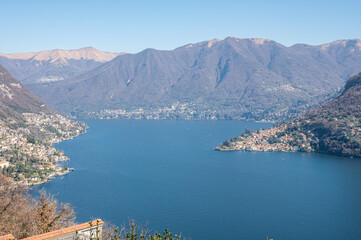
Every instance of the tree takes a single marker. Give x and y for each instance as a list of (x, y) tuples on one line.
[(22, 216), (31, 139), (15, 209), (50, 215), (136, 231)]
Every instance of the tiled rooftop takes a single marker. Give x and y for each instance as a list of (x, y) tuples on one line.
[(58, 233), (7, 237)]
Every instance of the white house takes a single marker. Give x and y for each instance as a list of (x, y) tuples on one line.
[(4, 164)]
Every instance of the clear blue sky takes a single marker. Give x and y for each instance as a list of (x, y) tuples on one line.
[(131, 26)]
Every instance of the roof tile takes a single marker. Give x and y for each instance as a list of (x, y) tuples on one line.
[(64, 231)]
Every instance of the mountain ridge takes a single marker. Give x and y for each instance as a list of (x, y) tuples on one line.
[(53, 65), (88, 53), (257, 79)]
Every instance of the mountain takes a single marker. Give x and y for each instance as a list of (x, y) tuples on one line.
[(22, 111), (55, 65), (337, 124), (28, 129), (334, 128), (232, 78), (16, 99)]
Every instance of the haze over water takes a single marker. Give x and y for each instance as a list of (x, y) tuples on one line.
[(167, 173)]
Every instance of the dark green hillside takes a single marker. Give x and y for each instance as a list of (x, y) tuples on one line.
[(333, 128), (337, 124)]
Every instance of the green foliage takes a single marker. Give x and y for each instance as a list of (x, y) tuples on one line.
[(31, 139), (165, 236), (227, 143), (93, 236), (272, 139), (138, 232), (280, 134)]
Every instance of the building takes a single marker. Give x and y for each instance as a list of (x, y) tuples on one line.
[(4, 164), (50, 165), (34, 178), (7, 237), (85, 231)]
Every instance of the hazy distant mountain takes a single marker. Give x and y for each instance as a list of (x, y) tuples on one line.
[(255, 78), (55, 65), (16, 99)]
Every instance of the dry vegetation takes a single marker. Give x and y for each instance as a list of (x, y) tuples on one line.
[(23, 216)]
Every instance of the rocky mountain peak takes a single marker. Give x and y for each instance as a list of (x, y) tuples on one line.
[(88, 53)]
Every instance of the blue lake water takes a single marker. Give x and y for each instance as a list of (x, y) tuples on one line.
[(167, 173)]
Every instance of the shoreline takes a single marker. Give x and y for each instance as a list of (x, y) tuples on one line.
[(58, 174), (47, 180), (38, 160)]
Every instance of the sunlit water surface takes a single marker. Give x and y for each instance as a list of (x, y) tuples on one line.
[(167, 173)]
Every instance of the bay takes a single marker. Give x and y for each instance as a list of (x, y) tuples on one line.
[(167, 173)]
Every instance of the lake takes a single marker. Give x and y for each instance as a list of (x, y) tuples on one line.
[(167, 173)]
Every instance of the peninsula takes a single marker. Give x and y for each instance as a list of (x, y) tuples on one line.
[(334, 128)]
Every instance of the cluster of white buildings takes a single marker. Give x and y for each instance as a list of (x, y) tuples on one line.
[(16, 145)]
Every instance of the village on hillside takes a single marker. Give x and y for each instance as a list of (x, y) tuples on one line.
[(32, 159), (275, 139)]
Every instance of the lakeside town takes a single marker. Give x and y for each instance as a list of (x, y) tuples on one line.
[(275, 139), (194, 111), (26, 153), (175, 111)]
